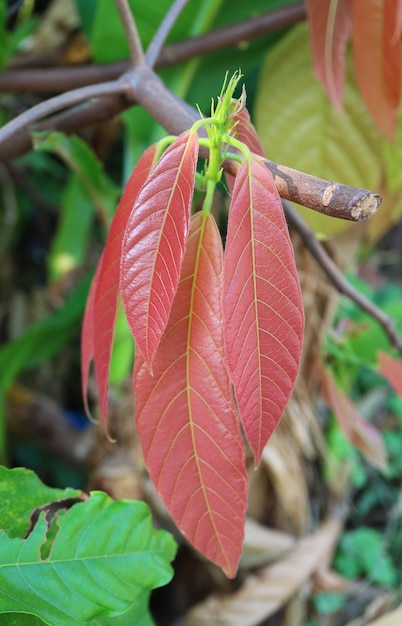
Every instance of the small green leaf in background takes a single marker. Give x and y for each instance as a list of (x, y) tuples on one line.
[(362, 553), (328, 603), (123, 349), (3, 34), (21, 492), (104, 558)]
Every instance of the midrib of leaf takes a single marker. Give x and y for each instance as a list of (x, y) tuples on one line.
[(329, 38), (205, 217)]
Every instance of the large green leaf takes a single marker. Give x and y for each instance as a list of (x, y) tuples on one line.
[(301, 129), (104, 557), (21, 492)]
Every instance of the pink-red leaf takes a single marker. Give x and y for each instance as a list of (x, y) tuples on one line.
[(357, 431), (244, 131), (391, 369), (154, 243), (377, 57), (263, 311), (185, 415), (87, 337), (330, 26), (100, 314)]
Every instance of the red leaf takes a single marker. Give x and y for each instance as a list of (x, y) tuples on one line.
[(87, 337), (330, 26), (103, 302), (154, 243), (262, 304), (391, 369), (377, 54), (245, 132), (185, 415), (357, 431)]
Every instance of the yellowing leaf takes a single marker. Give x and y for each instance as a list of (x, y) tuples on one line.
[(301, 129)]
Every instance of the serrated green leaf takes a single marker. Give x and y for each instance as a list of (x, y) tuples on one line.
[(301, 129), (102, 192), (21, 491), (106, 554)]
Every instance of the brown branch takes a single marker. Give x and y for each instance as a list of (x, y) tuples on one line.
[(43, 109), (337, 278), (333, 199), (137, 57), (62, 79), (155, 47)]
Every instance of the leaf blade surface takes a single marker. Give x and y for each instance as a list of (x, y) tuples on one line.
[(154, 243), (263, 311), (185, 415)]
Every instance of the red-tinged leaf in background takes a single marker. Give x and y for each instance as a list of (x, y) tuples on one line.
[(263, 311), (391, 369), (87, 337), (330, 26), (100, 313), (154, 243), (357, 431), (185, 416), (244, 131), (377, 59)]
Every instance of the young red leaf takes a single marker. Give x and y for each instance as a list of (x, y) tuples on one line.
[(185, 414), (154, 243), (245, 132), (263, 310), (330, 26), (357, 431), (391, 369), (377, 57), (100, 314)]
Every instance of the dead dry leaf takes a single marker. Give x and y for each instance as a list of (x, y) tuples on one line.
[(391, 619), (263, 545), (263, 594)]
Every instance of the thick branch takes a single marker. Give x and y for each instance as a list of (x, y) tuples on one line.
[(337, 278), (61, 79)]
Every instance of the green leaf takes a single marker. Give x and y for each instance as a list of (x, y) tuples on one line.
[(71, 240), (43, 339), (101, 191), (21, 492), (3, 34), (328, 603), (301, 129), (20, 619), (104, 557), (123, 349)]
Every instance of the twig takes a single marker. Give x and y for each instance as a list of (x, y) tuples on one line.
[(337, 279), (137, 57), (43, 109), (62, 79), (158, 40)]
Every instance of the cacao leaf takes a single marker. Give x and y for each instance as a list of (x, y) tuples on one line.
[(245, 132), (377, 59), (185, 414), (154, 243), (391, 369), (263, 311), (330, 26), (360, 433), (107, 288)]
